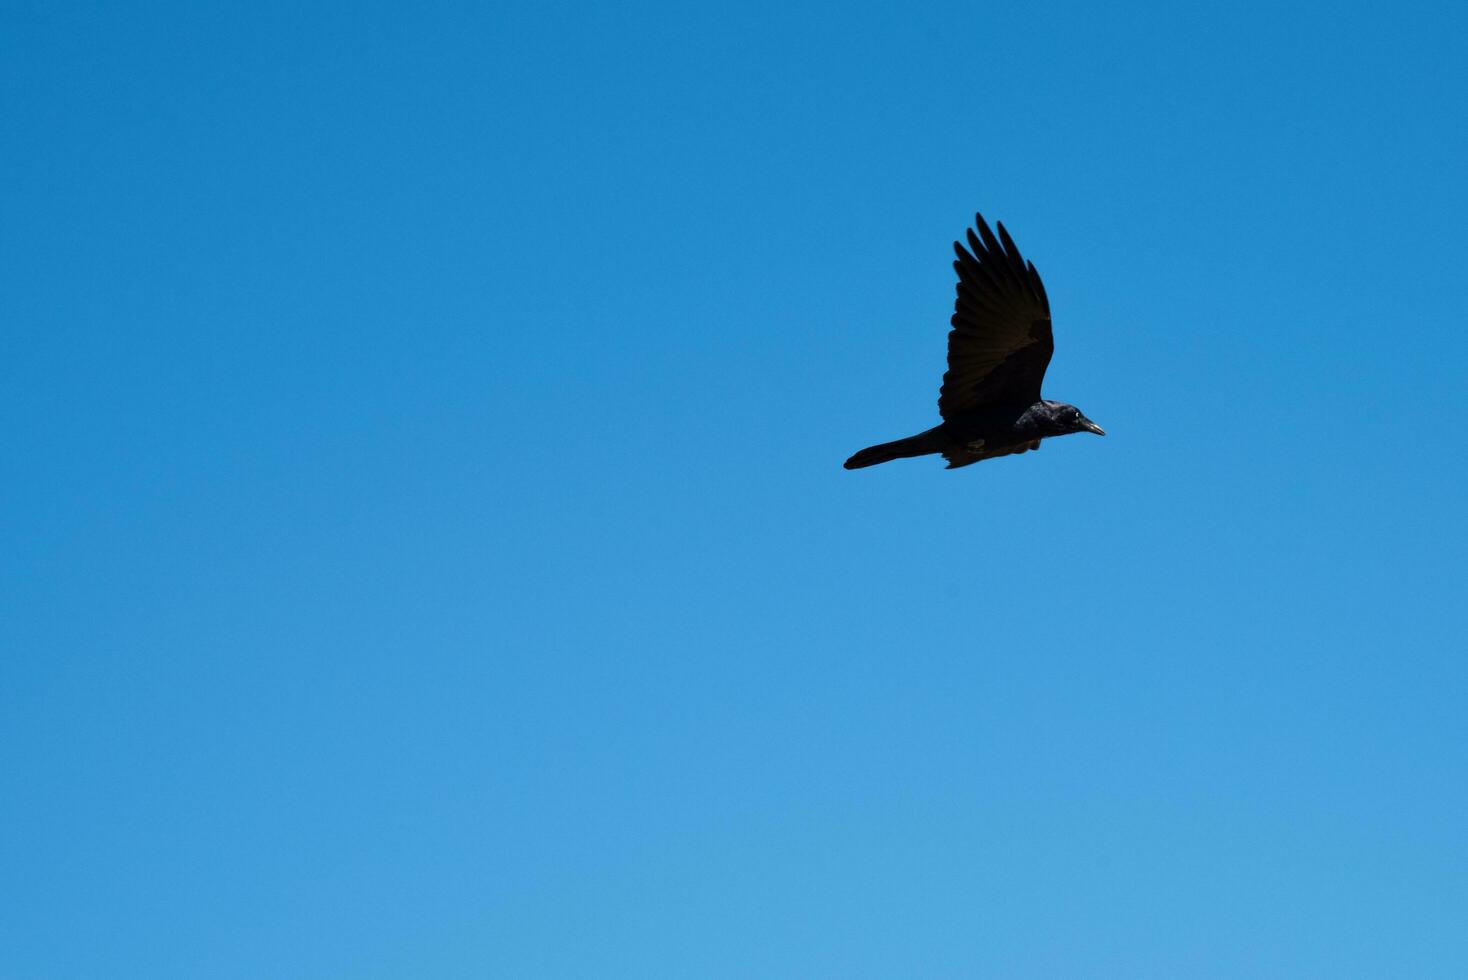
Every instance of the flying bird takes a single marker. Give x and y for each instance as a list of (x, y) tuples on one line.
[(998, 350)]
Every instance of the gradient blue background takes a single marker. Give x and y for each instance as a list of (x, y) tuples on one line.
[(426, 552)]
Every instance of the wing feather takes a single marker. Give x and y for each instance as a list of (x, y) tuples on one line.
[(1001, 341)]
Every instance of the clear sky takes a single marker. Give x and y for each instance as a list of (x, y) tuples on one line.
[(425, 552)]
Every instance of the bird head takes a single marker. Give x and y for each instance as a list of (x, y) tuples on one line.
[(1070, 419)]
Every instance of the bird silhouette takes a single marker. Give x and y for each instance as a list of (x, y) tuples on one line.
[(998, 350)]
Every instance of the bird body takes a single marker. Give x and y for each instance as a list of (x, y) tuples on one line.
[(1002, 432), (998, 350)]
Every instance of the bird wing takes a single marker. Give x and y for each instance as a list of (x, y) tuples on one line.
[(1001, 342), (973, 452)]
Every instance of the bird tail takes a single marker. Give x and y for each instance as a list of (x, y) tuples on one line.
[(919, 445)]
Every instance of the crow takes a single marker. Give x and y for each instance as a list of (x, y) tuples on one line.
[(998, 350)]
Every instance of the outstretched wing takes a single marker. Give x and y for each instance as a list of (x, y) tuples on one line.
[(1001, 342)]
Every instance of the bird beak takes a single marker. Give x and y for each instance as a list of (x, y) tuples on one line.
[(1090, 426)]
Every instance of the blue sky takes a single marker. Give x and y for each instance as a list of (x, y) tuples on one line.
[(424, 549)]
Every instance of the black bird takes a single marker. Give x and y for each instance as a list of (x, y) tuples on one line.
[(998, 350)]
